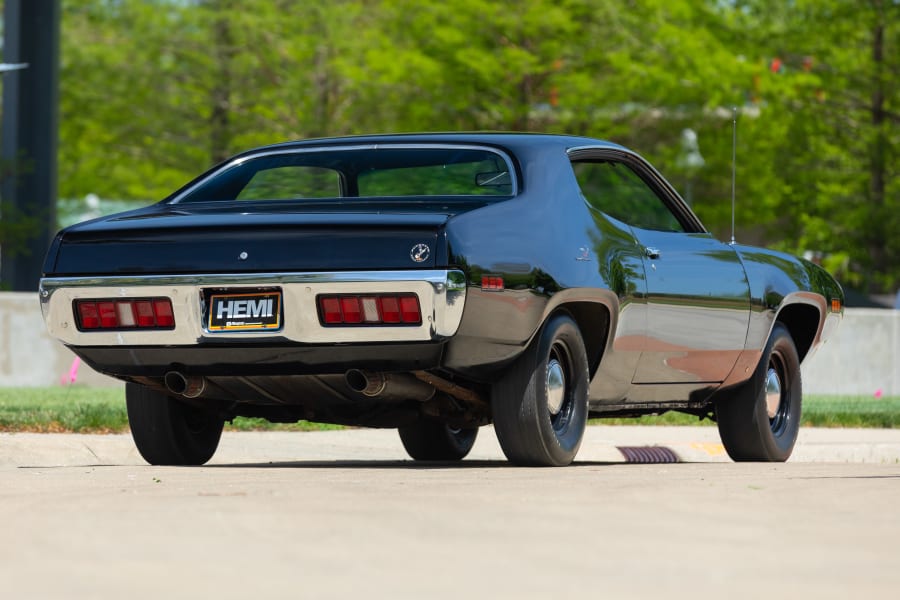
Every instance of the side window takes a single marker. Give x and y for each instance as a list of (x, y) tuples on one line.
[(613, 188), (288, 182)]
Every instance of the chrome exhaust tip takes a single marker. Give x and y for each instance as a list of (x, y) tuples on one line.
[(366, 383), (388, 386), (184, 385)]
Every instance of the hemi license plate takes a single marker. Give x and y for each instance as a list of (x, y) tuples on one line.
[(260, 311)]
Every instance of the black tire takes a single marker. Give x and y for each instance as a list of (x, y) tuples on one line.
[(169, 432), (540, 403), (433, 440), (760, 420)]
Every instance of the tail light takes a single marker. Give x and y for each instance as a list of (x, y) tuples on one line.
[(120, 313), (379, 309)]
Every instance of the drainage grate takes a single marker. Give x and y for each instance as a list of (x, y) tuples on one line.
[(648, 454)]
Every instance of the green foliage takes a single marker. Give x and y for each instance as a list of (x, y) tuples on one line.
[(78, 409), (156, 91)]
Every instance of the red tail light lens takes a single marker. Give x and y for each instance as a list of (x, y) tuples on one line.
[(88, 317), (390, 309), (108, 317), (350, 309), (409, 309), (162, 308), (119, 314), (330, 311), (373, 309)]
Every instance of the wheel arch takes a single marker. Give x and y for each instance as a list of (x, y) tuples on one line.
[(804, 321), (595, 320)]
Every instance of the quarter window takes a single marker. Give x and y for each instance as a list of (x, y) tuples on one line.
[(615, 189)]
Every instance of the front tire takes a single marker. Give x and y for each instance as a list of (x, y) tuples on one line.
[(433, 440), (760, 421), (540, 403), (169, 432)]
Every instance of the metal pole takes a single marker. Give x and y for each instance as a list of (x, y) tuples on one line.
[(29, 137), (733, 165)]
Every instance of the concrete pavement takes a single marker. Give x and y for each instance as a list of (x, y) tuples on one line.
[(345, 515)]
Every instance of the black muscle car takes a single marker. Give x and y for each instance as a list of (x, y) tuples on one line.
[(435, 284)]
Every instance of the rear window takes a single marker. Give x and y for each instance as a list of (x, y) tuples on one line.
[(371, 172)]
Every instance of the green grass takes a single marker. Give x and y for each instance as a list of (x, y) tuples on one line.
[(818, 411), (852, 411), (95, 410), (102, 410)]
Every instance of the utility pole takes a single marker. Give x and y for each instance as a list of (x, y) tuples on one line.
[(30, 134)]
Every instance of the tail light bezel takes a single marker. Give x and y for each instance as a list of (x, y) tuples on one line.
[(124, 314), (392, 309)]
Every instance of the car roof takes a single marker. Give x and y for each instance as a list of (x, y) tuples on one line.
[(512, 141)]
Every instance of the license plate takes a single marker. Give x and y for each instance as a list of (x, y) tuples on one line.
[(259, 311)]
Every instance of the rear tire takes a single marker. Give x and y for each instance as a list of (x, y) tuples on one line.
[(540, 403), (433, 440), (760, 420), (169, 432)]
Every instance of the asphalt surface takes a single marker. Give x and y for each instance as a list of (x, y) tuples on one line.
[(346, 515)]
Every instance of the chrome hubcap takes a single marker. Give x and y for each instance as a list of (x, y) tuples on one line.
[(773, 393), (556, 386)]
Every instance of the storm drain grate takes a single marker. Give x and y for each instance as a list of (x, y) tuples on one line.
[(648, 454)]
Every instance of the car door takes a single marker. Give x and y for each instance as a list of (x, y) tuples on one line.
[(697, 297), (698, 308)]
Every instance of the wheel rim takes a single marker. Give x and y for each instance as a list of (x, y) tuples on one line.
[(778, 401), (560, 404), (556, 386)]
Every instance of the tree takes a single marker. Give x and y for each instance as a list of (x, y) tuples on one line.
[(156, 91), (834, 149)]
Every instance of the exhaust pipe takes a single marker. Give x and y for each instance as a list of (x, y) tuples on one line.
[(184, 385), (389, 386)]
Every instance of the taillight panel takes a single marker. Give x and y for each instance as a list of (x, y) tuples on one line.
[(123, 314), (361, 310)]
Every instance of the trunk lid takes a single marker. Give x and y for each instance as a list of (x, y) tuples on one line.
[(164, 239)]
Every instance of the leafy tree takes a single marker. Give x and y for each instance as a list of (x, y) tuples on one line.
[(156, 91), (833, 91)]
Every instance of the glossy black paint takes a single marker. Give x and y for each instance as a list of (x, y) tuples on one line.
[(662, 329)]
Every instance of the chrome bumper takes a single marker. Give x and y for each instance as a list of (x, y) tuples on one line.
[(441, 293)]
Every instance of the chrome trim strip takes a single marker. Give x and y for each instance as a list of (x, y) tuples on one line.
[(334, 148), (441, 293)]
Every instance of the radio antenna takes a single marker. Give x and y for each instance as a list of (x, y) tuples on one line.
[(733, 164)]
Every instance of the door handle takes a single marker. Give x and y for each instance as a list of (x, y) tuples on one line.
[(652, 253)]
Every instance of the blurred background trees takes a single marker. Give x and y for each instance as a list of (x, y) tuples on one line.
[(154, 92)]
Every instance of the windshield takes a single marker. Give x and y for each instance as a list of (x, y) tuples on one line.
[(370, 172)]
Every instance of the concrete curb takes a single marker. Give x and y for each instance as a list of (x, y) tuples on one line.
[(603, 444)]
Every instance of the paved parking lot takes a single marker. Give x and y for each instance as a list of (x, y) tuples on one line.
[(343, 514)]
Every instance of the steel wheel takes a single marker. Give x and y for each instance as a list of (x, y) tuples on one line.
[(760, 420), (540, 403), (560, 395), (778, 404)]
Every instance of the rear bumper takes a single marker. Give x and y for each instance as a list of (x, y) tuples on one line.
[(441, 293), (229, 360)]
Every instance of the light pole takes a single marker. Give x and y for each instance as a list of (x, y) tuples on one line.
[(29, 134)]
